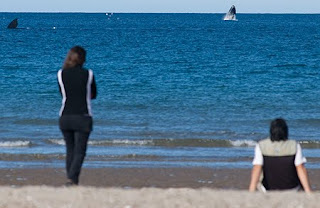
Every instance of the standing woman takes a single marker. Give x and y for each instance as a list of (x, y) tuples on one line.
[(77, 86)]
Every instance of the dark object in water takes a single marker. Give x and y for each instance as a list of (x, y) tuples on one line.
[(232, 10), (13, 24), (231, 15)]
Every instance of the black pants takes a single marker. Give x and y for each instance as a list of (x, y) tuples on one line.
[(76, 145), (76, 131)]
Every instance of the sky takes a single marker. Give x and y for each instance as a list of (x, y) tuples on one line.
[(162, 6)]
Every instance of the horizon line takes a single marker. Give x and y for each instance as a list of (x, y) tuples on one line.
[(98, 12)]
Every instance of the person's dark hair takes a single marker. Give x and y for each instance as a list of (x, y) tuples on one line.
[(75, 57), (278, 130)]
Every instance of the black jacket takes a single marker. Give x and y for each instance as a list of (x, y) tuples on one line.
[(77, 86)]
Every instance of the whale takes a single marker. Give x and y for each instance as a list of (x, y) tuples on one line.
[(13, 24), (232, 10), (231, 15)]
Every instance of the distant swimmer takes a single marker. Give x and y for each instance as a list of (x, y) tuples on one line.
[(231, 15), (13, 24)]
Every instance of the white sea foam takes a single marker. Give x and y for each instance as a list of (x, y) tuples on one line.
[(133, 142), (57, 141), (15, 143), (241, 143), (107, 142), (228, 17), (309, 142), (120, 142)]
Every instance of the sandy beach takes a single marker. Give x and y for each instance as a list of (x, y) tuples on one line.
[(143, 187), (43, 196)]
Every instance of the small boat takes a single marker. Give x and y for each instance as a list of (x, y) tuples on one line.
[(231, 15)]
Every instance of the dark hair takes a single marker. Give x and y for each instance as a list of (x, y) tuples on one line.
[(278, 130), (75, 57)]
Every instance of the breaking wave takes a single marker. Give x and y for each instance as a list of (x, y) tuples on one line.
[(15, 143), (313, 144), (165, 142)]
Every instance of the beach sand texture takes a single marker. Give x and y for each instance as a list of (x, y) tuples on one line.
[(43, 196), (145, 187)]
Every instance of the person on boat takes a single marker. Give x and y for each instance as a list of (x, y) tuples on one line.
[(77, 86), (280, 161)]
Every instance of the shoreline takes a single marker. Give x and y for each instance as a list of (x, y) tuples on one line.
[(195, 178)]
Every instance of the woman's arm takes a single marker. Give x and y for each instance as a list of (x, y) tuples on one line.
[(303, 177), (255, 176)]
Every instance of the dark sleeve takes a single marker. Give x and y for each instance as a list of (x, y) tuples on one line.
[(93, 89)]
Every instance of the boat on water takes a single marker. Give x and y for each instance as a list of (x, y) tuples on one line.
[(231, 15)]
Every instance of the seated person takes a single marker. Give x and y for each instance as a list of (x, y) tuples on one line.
[(280, 160)]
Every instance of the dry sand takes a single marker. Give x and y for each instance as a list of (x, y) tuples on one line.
[(143, 187), (42, 196)]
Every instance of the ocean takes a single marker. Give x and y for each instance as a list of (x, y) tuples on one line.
[(174, 90)]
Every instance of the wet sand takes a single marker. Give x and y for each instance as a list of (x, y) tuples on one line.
[(132, 177)]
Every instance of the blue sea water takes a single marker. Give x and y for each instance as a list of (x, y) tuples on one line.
[(174, 90)]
